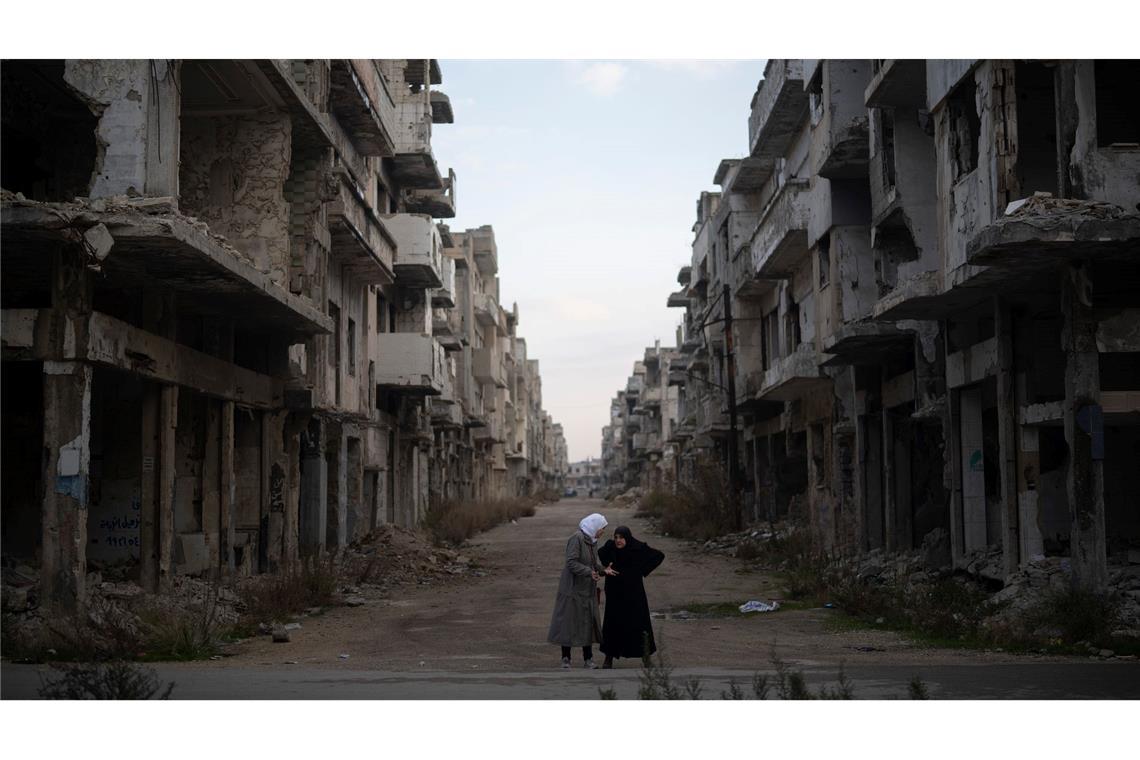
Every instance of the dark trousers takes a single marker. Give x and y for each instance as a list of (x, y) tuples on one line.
[(587, 653)]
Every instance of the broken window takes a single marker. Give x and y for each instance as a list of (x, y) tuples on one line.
[(819, 460), (885, 145), (815, 96), (48, 133), (351, 347), (792, 325), (823, 254), (1117, 114), (965, 129), (1036, 130), (769, 340)]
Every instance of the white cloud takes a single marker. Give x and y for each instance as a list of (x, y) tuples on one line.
[(602, 78), (701, 69)]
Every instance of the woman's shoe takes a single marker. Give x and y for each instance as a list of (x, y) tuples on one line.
[(589, 665), (565, 663), (608, 664)]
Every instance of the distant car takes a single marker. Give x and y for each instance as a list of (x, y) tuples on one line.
[(569, 492)]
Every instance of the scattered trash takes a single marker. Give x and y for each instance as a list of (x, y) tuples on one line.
[(880, 621), (422, 663), (292, 626), (514, 522), (868, 648), (354, 601), (829, 605), (216, 657), (758, 606), (716, 627), (280, 634), (343, 656)]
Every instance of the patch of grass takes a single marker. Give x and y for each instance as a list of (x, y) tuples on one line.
[(115, 680), (279, 596), (453, 522), (1077, 616), (700, 511), (193, 633)]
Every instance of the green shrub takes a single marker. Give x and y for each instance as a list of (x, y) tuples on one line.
[(453, 522)]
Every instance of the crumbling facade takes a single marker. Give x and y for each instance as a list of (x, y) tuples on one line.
[(234, 334), (931, 269)]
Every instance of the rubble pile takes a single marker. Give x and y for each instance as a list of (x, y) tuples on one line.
[(625, 498), (1044, 204), (393, 556)]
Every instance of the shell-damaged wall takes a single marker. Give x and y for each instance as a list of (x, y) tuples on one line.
[(233, 175)]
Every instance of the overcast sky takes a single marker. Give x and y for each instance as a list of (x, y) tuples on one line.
[(589, 172)]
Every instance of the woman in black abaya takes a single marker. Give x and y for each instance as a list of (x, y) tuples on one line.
[(626, 630)]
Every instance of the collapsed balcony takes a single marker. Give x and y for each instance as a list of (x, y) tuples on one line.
[(486, 309), (360, 100), (778, 108), (360, 241), (419, 250), (487, 366), (781, 237), (138, 250), (793, 376), (411, 363), (438, 203)]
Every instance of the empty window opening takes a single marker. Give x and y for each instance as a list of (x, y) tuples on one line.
[(818, 456), (351, 347), (892, 244), (381, 313), (965, 129), (48, 134), (1036, 129), (792, 325), (823, 254), (1117, 114), (885, 145)]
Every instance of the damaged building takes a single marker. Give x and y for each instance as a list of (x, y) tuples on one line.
[(931, 270), (235, 334)]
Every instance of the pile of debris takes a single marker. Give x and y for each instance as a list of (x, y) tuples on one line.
[(393, 556), (625, 498), (1044, 204)]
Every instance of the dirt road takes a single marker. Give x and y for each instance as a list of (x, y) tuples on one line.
[(473, 636), (498, 622)]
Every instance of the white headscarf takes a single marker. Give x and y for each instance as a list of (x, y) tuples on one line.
[(591, 524)]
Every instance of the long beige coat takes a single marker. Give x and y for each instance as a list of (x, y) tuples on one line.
[(575, 619)]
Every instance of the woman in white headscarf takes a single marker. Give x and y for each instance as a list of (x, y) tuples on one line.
[(575, 619)]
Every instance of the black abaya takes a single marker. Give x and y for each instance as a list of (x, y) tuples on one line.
[(626, 629)]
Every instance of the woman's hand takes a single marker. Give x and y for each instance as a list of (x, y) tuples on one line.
[(610, 569), (594, 575)]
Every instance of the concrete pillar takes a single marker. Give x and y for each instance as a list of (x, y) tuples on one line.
[(228, 480), (952, 466), (973, 470), (890, 542), (1084, 430), (212, 483), (314, 489), (290, 551), (65, 478), (1032, 541), (275, 491), (167, 427), (1007, 408), (148, 488)]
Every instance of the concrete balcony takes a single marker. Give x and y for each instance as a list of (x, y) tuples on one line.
[(487, 366), (793, 376), (633, 423), (411, 363), (680, 299), (447, 328), (897, 83), (358, 237), (419, 250), (492, 432), (413, 164), (485, 251), (841, 140), (448, 416), (651, 398), (437, 203), (635, 385), (711, 416), (779, 107), (780, 240), (360, 100), (441, 112), (444, 295), (684, 275), (486, 309)]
